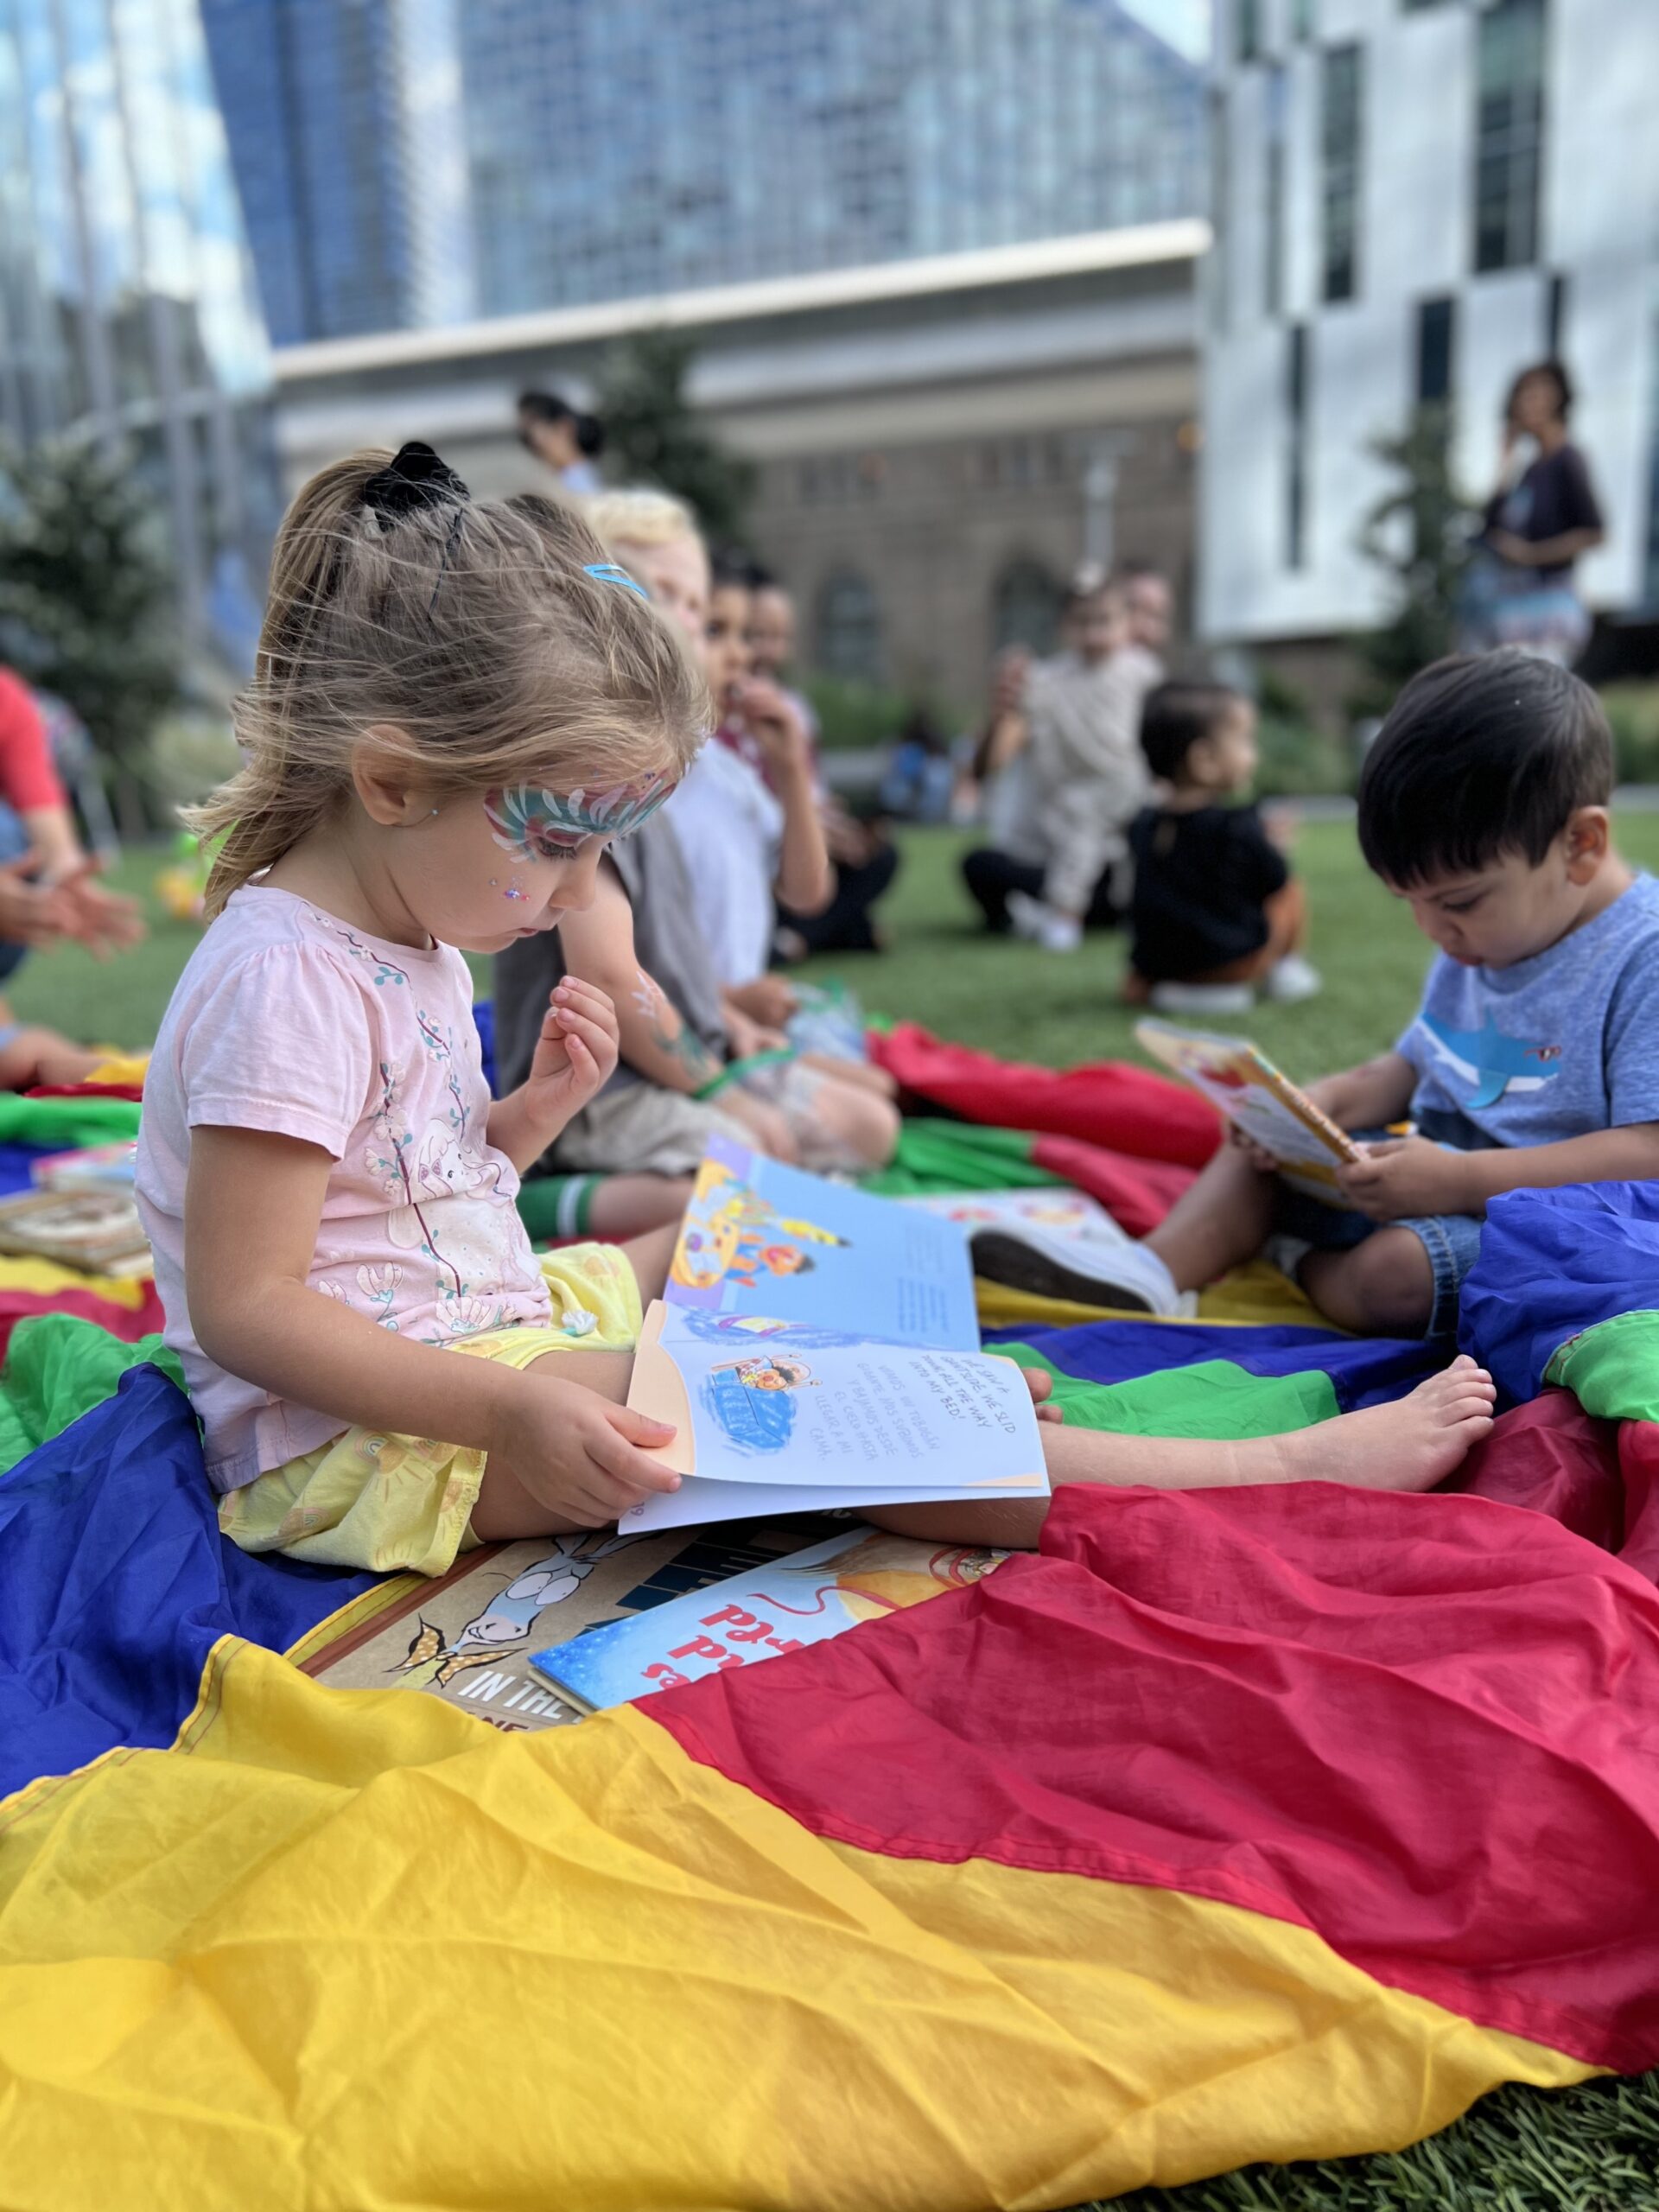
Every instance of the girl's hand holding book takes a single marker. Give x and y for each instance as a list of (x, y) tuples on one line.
[(575, 1453)]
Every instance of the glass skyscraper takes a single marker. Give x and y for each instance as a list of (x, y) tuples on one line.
[(429, 161), (128, 312)]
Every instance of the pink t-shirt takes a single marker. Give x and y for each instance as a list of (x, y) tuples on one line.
[(289, 1021)]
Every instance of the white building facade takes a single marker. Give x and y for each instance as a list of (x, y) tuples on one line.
[(1415, 199)]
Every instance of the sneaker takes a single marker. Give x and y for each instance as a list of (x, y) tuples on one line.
[(1293, 978), (1040, 923), (1061, 1243), (1203, 998)]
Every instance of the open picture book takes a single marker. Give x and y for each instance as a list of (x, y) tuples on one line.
[(1244, 1086), (775, 1416)]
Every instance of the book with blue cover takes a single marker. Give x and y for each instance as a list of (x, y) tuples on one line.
[(763, 1239)]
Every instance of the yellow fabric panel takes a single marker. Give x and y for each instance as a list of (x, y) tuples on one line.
[(351, 1952), (119, 1066), (42, 1277), (1252, 1297)]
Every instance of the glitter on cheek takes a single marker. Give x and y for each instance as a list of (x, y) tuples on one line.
[(513, 891)]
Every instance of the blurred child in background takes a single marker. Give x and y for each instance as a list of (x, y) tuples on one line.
[(862, 862), (682, 1076), (1215, 911)]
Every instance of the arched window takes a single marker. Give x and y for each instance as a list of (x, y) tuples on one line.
[(849, 629), (1026, 607)]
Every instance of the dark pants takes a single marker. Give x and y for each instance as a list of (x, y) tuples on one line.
[(844, 925), (990, 875)]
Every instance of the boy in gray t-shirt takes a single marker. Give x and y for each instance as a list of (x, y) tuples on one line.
[(1534, 1059)]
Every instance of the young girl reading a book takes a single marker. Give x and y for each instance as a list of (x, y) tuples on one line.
[(451, 717)]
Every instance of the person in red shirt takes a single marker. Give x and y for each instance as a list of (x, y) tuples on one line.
[(49, 888)]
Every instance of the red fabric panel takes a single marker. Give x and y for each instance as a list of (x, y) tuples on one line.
[(1550, 1456), (132, 1090), (127, 1322), (1137, 1193), (1104, 1102), (1426, 1727), (28, 779), (1638, 1463)]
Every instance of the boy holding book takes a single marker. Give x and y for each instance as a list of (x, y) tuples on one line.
[(1533, 1058)]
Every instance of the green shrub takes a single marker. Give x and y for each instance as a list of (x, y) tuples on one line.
[(857, 717), (1298, 761), (1633, 712)]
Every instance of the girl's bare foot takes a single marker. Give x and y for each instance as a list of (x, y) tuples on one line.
[(1410, 1445)]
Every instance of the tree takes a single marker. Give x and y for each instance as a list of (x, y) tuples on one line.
[(86, 601), (1418, 533), (650, 429)]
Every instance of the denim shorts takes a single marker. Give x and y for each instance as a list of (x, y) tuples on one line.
[(1451, 1240)]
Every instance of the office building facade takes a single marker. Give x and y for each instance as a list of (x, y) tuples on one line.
[(414, 163), (1413, 200), (128, 312)]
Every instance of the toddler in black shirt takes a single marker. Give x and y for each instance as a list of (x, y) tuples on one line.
[(1216, 911)]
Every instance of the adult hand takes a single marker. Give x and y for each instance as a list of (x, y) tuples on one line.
[(1008, 673), (30, 913), (104, 921), (1517, 551), (770, 1000), (1407, 1176), (577, 1453)]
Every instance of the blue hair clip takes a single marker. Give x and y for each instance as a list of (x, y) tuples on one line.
[(608, 573)]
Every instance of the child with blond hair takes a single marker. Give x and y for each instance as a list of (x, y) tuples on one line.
[(454, 713)]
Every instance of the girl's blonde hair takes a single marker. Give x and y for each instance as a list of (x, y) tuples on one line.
[(639, 515), (473, 627)]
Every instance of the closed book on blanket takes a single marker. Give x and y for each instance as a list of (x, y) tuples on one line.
[(856, 1575), (466, 1636), (774, 1416)]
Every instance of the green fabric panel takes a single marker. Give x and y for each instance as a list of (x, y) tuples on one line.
[(938, 1155), (58, 1367), (65, 1123), (1215, 1398), (1613, 1368)]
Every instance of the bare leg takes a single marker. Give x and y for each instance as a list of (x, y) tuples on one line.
[(649, 1257), (862, 1124), (765, 1125), (630, 1205), (1220, 1223), (1410, 1445), (1384, 1286), (864, 1075)]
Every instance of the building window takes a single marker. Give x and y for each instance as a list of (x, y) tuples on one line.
[(1296, 396), (1508, 133), (1247, 23), (1436, 336), (849, 629), (1303, 26), (1340, 126), (1272, 193), (1215, 261), (1026, 607)]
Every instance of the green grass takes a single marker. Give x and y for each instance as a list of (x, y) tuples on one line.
[(1593, 2149)]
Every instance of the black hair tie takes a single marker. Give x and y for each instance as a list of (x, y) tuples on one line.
[(414, 480)]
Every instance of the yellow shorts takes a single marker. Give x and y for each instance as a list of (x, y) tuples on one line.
[(367, 1499)]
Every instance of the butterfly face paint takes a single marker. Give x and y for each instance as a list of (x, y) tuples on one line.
[(534, 824)]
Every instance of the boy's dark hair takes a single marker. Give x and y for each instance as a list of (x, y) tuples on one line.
[(545, 407), (1482, 754), (732, 569), (1174, 718)]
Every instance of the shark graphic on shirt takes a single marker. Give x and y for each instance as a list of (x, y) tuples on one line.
[(1493, 1063)]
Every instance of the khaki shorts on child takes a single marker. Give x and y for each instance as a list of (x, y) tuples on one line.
[(369, 1499)]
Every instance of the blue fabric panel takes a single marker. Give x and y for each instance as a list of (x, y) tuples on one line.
[(1552, 1264), (17, 1160), (1363, 1371), (115, 1583)]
